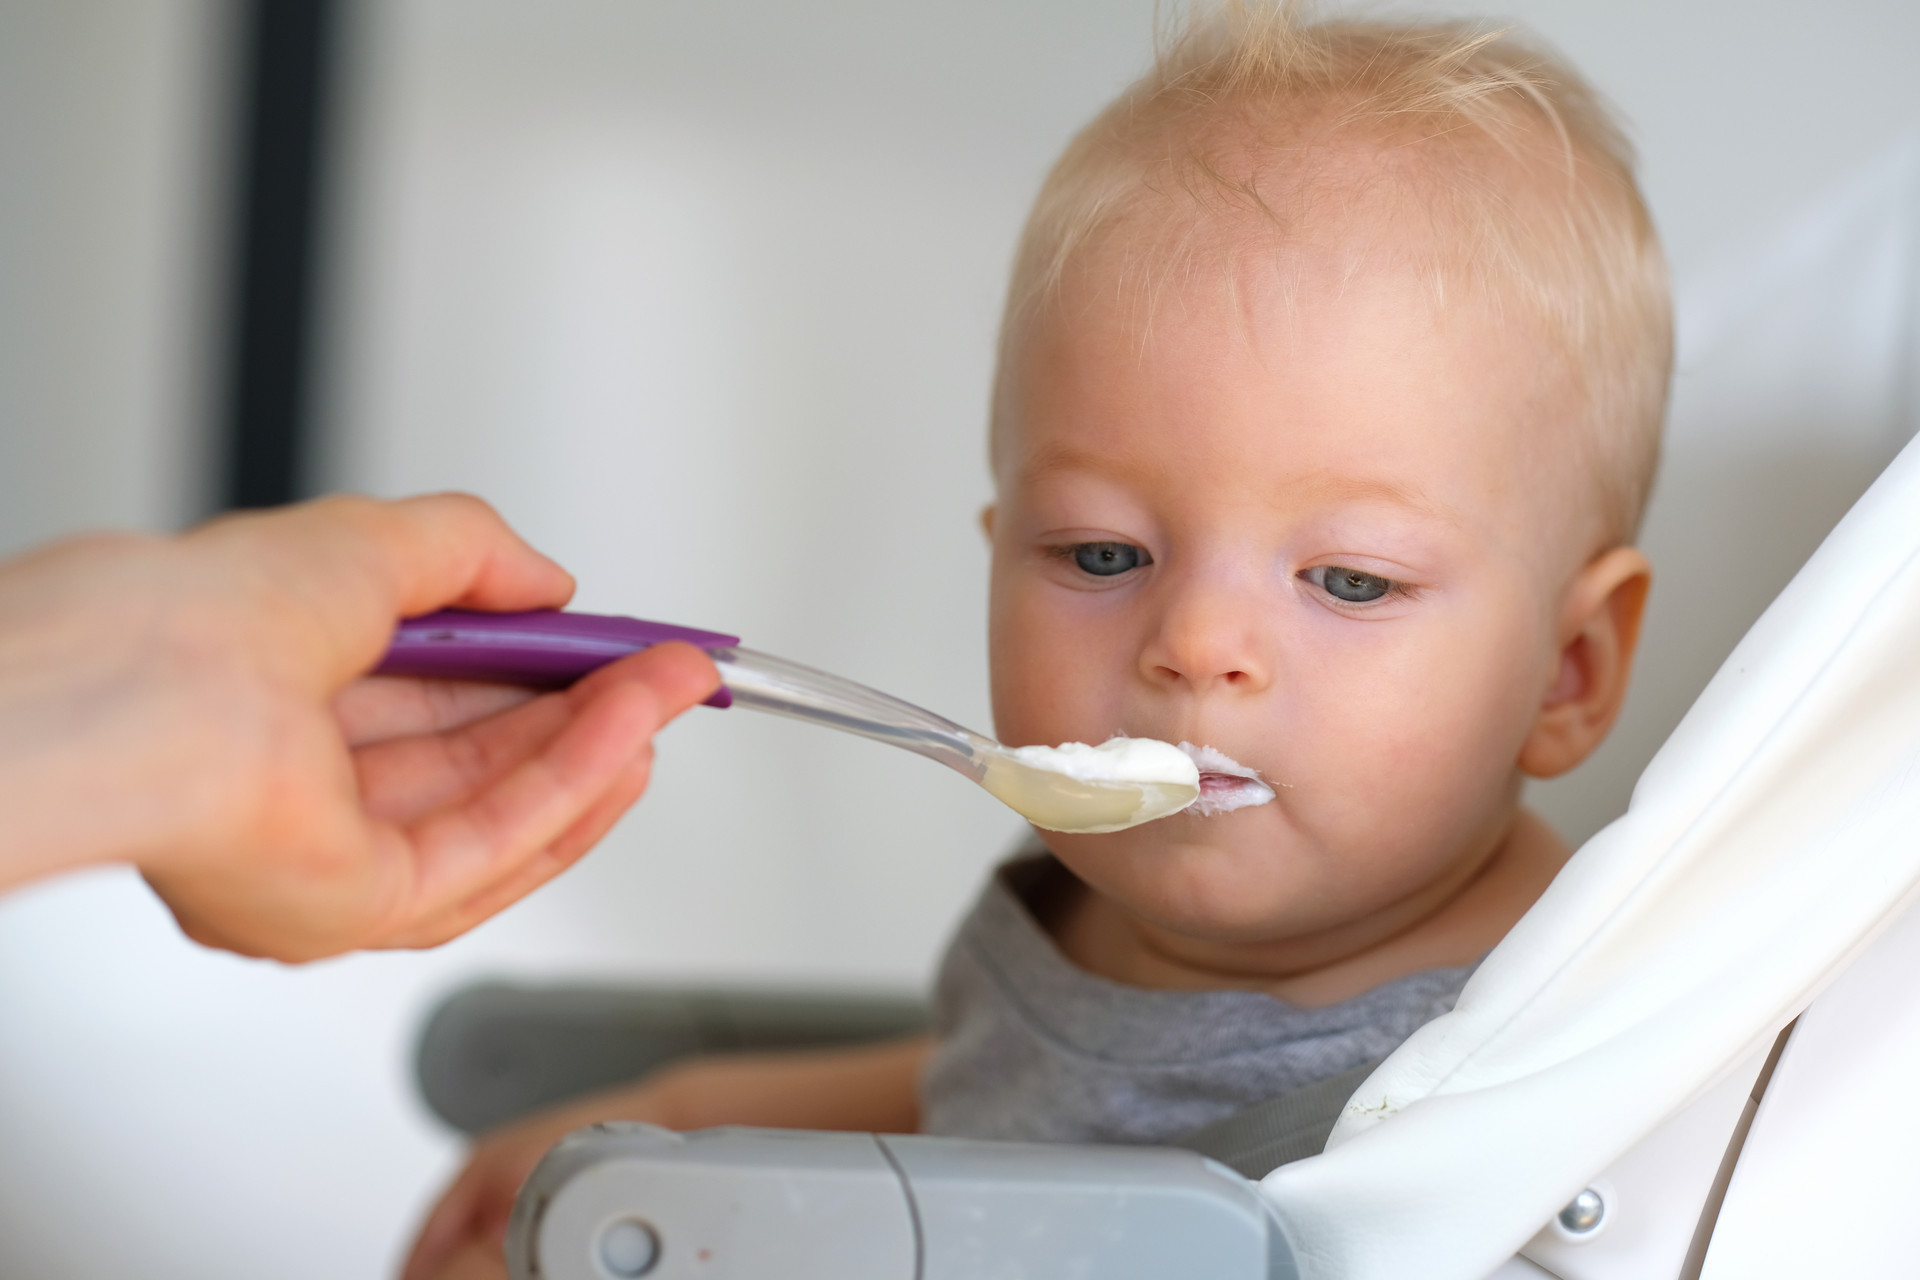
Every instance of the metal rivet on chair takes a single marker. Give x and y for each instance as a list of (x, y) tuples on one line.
[(1584, 1212), (628, 1248)]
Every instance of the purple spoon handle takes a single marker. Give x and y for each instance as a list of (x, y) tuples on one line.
[(545, 649)]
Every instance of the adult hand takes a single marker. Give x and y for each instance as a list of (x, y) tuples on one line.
[(194, 705)]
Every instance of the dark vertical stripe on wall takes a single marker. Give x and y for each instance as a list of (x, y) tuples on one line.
[(283, 82)]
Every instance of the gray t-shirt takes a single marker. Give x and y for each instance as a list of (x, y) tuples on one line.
[(1032, 1049)]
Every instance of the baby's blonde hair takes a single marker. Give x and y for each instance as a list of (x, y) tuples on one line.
[(1498, 150)]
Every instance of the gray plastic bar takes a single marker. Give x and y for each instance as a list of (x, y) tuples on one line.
[(621, 1201), (493, 1052)]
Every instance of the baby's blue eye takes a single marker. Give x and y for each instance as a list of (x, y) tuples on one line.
[(1107, 559), (1353, 586)]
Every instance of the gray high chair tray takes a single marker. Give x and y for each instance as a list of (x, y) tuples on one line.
[(621, 1201)]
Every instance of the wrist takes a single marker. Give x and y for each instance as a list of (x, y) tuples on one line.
[(662, 1098), (95, 730)]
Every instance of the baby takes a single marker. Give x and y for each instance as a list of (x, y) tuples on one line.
[(1329, 395)]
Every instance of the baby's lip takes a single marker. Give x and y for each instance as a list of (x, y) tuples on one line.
[(1225, 783), (1212, 760)]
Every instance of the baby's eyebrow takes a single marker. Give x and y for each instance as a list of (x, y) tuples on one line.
[(1049, 459), (1365, 489), (1315, 486)]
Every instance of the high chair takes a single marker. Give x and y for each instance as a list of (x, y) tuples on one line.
[(1713, 992)]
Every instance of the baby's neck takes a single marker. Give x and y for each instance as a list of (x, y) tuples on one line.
[(1451, 924)]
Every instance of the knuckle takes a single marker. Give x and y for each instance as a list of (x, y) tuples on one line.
[(458, 505)]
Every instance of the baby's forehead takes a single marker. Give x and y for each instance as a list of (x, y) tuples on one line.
[(1348, 256), (1236, 198)]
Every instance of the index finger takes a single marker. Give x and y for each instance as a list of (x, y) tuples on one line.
[(473, 858), (344, 570)]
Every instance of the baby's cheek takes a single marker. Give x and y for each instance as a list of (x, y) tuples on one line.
[(1054, 679), (1401, 780)]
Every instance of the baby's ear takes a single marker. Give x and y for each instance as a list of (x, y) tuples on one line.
[(986, 520), (1599, 626)]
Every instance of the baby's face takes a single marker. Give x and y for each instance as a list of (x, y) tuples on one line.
[(1317, 536)]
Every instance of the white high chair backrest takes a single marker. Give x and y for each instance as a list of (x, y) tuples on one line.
[(1768, 844), (1828, 1178)]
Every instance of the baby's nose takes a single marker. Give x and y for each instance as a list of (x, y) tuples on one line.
[(1209, 639)]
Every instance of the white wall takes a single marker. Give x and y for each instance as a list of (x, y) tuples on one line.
[(107, 140), (703, 297)]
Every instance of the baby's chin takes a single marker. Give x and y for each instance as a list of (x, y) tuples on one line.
[(1233, 877)]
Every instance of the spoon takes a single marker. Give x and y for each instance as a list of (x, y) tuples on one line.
[(1074, 788)]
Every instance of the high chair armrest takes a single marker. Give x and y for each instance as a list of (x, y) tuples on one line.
[(493, 1052)]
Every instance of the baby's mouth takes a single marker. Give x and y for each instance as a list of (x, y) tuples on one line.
[(1225, 783)]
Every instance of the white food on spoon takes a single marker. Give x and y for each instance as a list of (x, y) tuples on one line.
[(1121, 783), (1225, 783), (1074, 787)]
